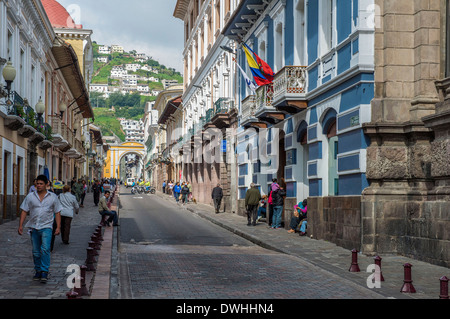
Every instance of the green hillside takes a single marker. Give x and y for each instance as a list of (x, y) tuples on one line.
[(129, 106)]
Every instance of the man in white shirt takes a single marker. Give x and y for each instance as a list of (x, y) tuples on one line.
[(43, 207)]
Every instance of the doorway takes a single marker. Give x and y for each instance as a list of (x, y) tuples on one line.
[(333, 178)]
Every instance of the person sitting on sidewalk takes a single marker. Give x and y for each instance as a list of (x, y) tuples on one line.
[(252, 198), (262, 208), (299, 214), (103, 210)]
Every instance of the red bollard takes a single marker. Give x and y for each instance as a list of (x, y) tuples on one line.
[(444, 288), (84, 290), (90, 261), (93, 245), (354, 266), (378, 263), (72, 295), (407, 283)]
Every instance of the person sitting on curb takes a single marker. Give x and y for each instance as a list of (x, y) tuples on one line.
[(299, 214), (103, 210), (262, 208)]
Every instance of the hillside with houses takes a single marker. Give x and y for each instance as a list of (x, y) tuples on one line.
[(122, 83)]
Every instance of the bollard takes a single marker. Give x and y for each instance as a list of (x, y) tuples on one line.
[(444, 288), (98, 233), (84, 290), (378, 263), (93, 245), (90, 261), (72, 295), (354, 266), (407, 283), (78, 290)]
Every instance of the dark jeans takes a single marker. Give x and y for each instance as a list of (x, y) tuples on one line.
[(112, 216), (65, 228), (217, 202), (96, 198), (82, 198), (252, 211)]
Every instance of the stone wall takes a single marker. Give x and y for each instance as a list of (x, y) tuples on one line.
[(336, 219)]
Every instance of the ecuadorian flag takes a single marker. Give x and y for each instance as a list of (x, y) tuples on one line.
[(262, 73)]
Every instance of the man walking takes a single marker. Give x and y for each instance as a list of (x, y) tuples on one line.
[(44, 208), (217, 195), (164, 187), (252, 198), (96, 188)]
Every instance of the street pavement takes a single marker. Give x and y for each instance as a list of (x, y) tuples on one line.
[(16, 264), (330, 257)]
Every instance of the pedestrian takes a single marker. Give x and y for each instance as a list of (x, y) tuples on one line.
[(77, 189), (43, 208), (171, 186), (189, 185), (33, 187), (177, 191), (277, 201), (69, 206), (96, 190), (103, 210), (83, 192), (252, 198), (184, 193), (217, 195), (164, 187), (299, 214)]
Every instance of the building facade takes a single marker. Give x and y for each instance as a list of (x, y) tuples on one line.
[(41, 116)]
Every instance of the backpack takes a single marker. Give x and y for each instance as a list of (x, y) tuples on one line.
[(270, 201)]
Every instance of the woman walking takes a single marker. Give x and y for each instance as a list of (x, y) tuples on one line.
[(69, 205)]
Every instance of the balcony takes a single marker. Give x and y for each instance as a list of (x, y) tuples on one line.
[(46, 130), (265, 111), (248, 111), (15, 116), (29, 116), (224, 113), (59, 134), (289, 86)]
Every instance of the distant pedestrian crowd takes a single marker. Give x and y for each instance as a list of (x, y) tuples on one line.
[(257, 207)]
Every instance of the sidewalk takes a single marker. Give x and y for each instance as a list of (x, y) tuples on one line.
[(337, 260), (16, 261)]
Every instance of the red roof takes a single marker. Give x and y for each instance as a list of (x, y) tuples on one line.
[(58, 15)]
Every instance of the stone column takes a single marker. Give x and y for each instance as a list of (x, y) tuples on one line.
[(407, 62)]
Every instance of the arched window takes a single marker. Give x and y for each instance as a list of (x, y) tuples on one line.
[(329, 130)]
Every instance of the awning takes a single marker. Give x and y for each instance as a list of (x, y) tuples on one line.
[(97, 134), (244, 17), (171, 107), (68, 64)]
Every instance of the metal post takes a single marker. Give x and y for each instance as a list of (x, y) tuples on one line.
[(354, 266), (444, 288), (407, 283)]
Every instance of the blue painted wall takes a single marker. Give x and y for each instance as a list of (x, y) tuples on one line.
[(312, 9)]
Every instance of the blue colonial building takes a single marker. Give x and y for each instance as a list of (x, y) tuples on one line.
[(309, 121)]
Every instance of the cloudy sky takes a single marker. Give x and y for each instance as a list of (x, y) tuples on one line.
[(147, 26)]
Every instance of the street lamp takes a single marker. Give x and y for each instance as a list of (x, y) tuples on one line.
[(40, 109), (228, 49), (76, 127), (9, 74), (62, 108)]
